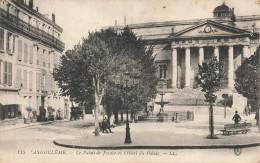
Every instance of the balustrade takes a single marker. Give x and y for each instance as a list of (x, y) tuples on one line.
[(21, 25)]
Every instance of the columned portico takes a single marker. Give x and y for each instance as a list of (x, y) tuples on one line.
[(246, 52), (201, 55), (187, 67), (174, 68), (230, 67), (216, 52)]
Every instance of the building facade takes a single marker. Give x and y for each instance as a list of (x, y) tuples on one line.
[(180, 46), (30, 47)]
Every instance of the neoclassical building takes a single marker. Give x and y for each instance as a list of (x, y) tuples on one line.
[(30, 47), (180, 46)]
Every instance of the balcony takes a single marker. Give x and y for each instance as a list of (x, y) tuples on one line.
[(13, 22)]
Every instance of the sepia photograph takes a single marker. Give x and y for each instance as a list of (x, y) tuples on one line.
[(129, 81)]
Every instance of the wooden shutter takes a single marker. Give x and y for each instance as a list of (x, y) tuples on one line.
[(20, 50), (18, 78), (1, 39), (38, 81), (43, 57), (13, 46), (38, 57), (30, 80), (5, 72), (25, 84), (31, 55), (25, 52)]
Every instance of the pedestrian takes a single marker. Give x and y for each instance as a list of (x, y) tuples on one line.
[(246, 110), (106, 125), (257, 117), (249, 109), (236, 118), (112, 121)]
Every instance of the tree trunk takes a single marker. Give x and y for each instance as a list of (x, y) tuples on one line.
[(211, 123), (116, 116), (96, 115), (122, 118)]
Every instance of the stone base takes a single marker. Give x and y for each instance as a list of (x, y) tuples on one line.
[(213, 136)]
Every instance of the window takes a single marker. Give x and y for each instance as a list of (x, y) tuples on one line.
[(9, 43), (43, 56), (162, 71), (31, 55), (43, 77), (38, 56), (25, 79), (25, 52), (38, 79), (8, 73), (20, 50), (30, 80), (1, 40)]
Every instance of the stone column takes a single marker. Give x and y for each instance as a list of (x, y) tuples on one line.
[(187, 65), (230, 67), (201, 55), (174, 68), (246, 52), (216, 52)]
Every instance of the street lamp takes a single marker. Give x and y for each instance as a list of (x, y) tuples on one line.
[(117, 82), (127, 134)]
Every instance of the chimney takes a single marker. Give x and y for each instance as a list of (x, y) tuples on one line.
[(115, 22), (53, 18), (125, 20), (37, 9), (31, 4)]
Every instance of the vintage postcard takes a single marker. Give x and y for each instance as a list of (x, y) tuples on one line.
[(129, 81)]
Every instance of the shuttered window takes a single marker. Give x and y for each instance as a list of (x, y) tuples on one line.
[(31, 55), (20, 50), (8, 73), (18, 80), (38, 56), (25, 52), (8, 40), (30, 80), (47, 60), (25, 79), (1, 40), (38, 78), (43, 80), (43, 58)]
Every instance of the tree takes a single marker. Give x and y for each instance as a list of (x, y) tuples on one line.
[(246, 82), (247, 79), (209, 78), (87, 72), (140, 63)]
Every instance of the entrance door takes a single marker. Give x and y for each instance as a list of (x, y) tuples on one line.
[(42, 101)]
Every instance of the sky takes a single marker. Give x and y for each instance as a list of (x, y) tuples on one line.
[(78, 17)]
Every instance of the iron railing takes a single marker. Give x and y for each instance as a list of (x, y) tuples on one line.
[(13, 21)]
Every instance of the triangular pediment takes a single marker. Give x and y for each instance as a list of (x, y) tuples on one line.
[(208, 29)]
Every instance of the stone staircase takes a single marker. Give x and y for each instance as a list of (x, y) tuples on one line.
[(192, 97)]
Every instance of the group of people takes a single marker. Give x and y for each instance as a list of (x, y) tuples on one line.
[(105, 125), (236, 118)]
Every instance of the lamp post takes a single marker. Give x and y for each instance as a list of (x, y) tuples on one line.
[(117, 82), (127, 134)]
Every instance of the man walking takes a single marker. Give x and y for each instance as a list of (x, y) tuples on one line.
[(236, 118)]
